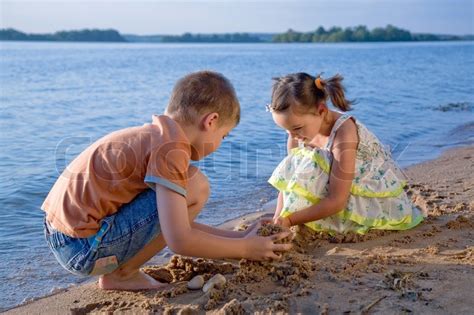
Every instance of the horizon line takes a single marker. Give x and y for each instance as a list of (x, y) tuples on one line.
[(230, 32)]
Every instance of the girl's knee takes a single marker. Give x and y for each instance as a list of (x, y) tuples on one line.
[(198, 186)]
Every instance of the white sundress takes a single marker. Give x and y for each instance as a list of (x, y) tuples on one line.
[(377, 199)]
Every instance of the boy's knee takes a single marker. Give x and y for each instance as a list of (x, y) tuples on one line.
[(198, 187)]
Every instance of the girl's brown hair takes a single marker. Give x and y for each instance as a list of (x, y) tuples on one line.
[(308, 91)]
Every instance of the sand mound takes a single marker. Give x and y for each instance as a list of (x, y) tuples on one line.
[(181, 268)]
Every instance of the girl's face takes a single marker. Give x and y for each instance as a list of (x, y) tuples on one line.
[(303, 126)]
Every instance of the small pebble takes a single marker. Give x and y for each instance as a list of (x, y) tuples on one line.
[(196, 283), (217, 281)]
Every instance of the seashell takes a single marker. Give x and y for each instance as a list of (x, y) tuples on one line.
[(196, 283), (217, 281), (333, 251)]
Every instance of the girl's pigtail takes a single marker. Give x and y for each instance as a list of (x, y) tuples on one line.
[(335, 91)]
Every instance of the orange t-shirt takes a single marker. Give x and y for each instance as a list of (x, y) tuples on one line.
[(115, 169)]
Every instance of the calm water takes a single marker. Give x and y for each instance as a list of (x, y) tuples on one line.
[(58, 98)]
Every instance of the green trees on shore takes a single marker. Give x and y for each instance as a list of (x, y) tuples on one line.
[(357, 34), (86, 35), (211, 38)]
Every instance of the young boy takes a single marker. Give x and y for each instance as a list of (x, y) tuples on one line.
[(103, 219)]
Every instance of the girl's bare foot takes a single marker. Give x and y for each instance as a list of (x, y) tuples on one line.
[(136, 281)]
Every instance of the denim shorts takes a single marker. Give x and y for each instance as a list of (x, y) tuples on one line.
[(121, 236)]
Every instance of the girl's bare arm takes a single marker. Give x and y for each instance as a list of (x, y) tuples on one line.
[(279, 206), (340, 180), (291, 144)]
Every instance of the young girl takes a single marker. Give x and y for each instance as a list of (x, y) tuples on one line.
[(337, 177)]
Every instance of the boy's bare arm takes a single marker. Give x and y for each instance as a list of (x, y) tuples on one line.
[(229, 233), (183, 239), (217, 231)]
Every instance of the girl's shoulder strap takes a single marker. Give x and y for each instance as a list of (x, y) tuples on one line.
[(336, 126)]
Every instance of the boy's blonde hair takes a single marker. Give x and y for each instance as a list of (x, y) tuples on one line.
[(204, 92)]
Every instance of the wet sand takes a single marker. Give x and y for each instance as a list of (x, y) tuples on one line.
[(426, 270)]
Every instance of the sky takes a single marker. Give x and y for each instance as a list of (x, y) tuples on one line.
[(147, 17)]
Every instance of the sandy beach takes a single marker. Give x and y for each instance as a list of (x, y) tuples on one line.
[(427, 270)]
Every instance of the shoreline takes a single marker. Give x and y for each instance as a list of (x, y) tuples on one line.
[(441, 185)]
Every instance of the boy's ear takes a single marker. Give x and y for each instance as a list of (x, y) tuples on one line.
[(210, 121)]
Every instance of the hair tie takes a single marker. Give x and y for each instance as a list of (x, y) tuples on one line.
[(268, 108), (318, 83)]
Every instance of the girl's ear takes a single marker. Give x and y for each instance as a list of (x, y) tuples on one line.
[(210, 121), (322, 108)]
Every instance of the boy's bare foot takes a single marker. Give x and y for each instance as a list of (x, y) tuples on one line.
[(137, 281)]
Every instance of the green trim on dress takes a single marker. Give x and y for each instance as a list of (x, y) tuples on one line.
[(405, 223)]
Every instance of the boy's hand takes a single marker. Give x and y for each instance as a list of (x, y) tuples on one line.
[(264, 248)]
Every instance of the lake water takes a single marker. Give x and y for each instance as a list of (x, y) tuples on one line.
[(57, 98)]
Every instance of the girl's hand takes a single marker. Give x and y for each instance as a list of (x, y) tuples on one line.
[(282, 221), (264, 248)]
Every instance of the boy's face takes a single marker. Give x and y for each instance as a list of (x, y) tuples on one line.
[(210, 139), (217, 137)]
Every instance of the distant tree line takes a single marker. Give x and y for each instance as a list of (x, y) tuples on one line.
[(211, 38), (358, 34), (92, 35)]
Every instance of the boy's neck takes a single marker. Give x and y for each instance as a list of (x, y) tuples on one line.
[(189, 130)]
